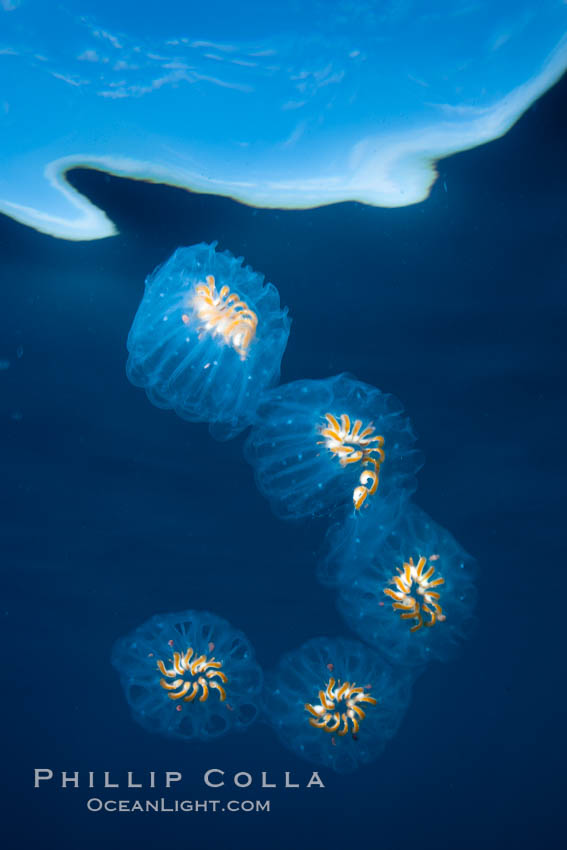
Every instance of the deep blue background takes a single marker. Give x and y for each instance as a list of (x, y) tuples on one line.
[(115, 510)]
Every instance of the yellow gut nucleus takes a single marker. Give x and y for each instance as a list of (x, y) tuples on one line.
[(414, 596), (338, 710), (224, 314), (194, 677), (355, 445)]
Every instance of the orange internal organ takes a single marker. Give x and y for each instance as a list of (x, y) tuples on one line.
[(355, 445), (194, 676), (339, 709), (414, 596), (225, 315)]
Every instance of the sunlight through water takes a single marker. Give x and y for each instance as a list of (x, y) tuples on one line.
[(289, 105)]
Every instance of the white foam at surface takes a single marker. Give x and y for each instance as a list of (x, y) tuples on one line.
[(359, 113)]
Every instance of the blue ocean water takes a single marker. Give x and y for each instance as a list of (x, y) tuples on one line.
[(114, 510)]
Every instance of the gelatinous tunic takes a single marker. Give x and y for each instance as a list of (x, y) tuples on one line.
[(335, 702), (189, 675), (208, 338), (412, 594), (319, 445)]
